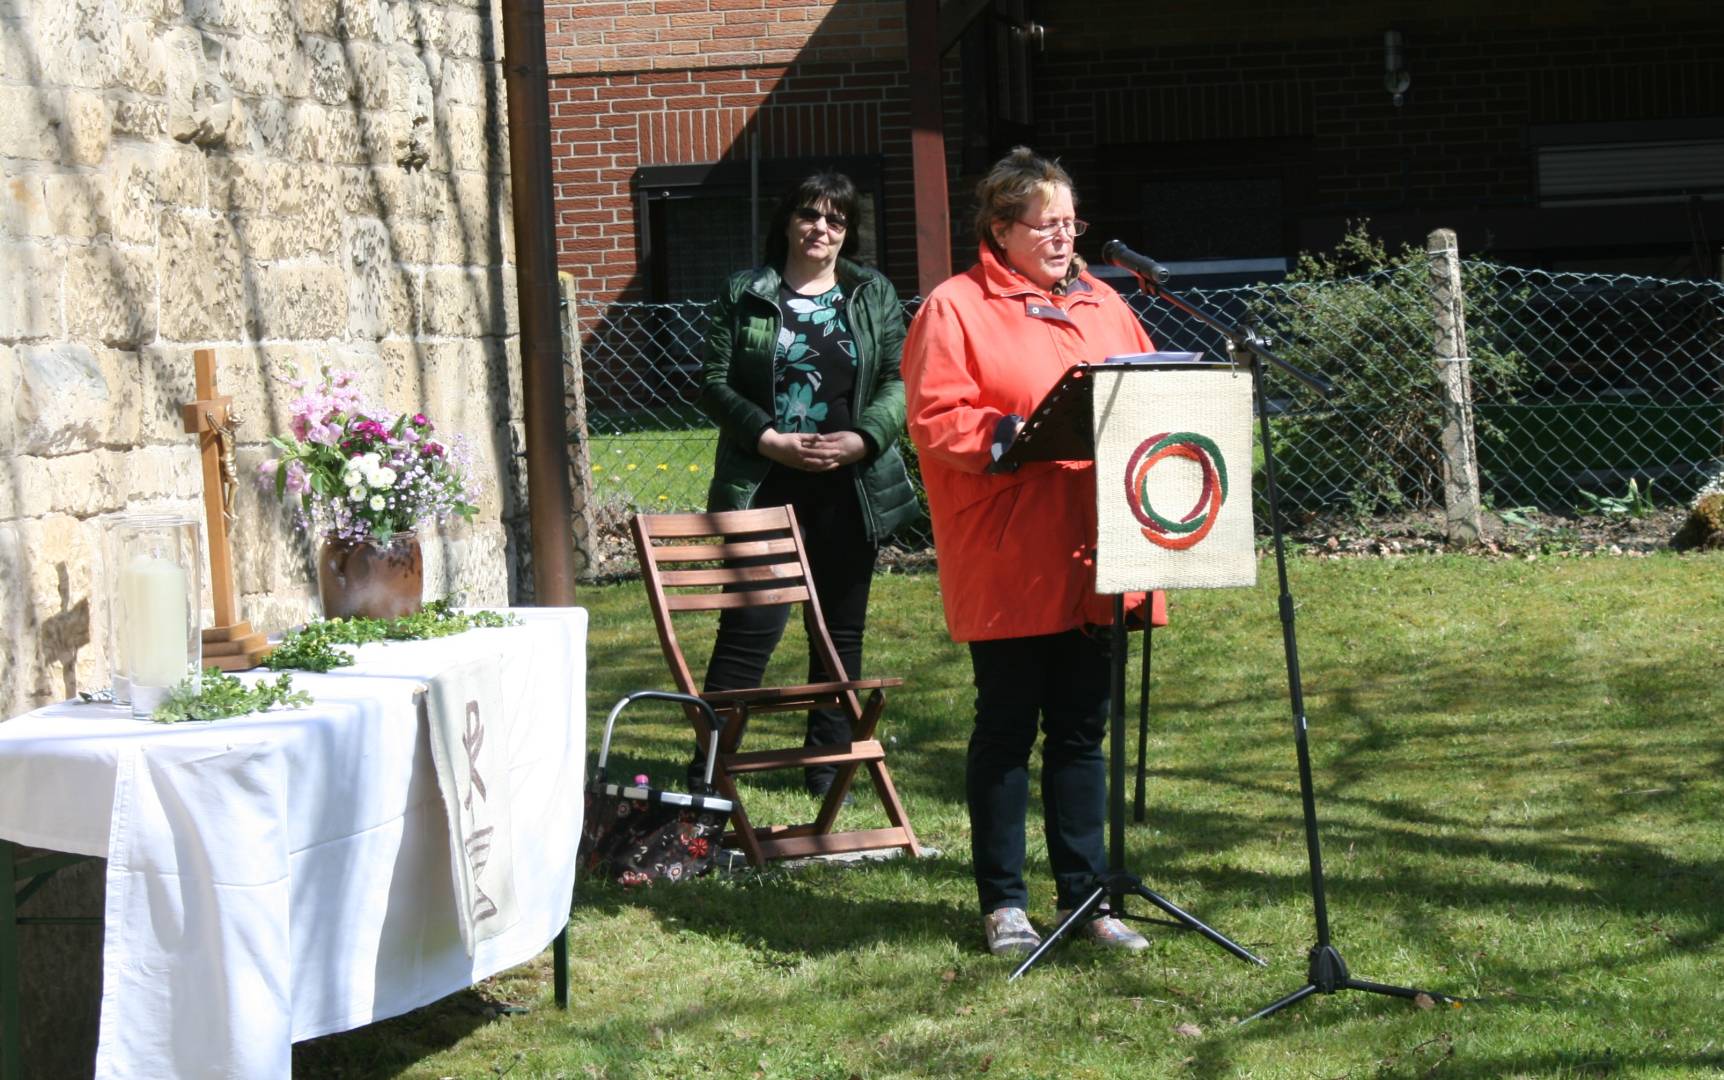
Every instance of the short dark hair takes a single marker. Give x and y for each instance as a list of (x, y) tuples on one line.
[(832, 188)]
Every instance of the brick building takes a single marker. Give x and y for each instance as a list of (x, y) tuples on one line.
[(1223, 137)]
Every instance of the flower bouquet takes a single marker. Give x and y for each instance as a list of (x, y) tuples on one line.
[(365, 482)]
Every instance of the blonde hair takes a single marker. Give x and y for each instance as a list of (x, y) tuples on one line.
[(1010, 185)]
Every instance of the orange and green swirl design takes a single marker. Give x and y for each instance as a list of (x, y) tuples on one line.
[(1176, 534)]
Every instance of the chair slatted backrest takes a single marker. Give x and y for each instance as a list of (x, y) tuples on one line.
[(728, 559)]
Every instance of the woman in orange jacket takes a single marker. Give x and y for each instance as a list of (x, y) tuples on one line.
[(1016, 549)]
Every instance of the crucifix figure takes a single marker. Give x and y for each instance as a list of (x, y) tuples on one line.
[(230, 643)]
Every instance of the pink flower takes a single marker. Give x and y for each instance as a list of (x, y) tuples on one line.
[(266, 470), (298, 482)]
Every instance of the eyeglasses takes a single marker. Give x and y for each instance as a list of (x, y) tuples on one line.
[(833, 220), (1049, 228)]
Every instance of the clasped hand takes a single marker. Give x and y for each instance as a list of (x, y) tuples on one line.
[(812, 453)]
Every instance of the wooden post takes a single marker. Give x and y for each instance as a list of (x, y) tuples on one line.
[(1461, 501), (230, 644), (928, 146)]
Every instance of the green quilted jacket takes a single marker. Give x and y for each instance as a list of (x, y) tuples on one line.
[(738, 381)]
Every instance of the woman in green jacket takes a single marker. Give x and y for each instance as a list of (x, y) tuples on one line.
[(801, 375)]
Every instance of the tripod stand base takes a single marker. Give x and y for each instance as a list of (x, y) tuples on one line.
[(1123, 884), (1327, 973)]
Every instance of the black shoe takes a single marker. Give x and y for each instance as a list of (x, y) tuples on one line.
[(819, 791)]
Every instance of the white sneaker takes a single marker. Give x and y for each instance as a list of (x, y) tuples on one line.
[(1010, 933), (1108, 932)]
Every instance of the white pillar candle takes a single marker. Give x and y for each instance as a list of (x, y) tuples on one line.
[(154, 632)]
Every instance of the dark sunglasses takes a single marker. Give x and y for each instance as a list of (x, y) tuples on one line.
[(833, 220)]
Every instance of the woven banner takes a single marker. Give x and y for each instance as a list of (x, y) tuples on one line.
[(1173, 479)]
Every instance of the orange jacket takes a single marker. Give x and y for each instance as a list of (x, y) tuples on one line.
[(1015, 550)]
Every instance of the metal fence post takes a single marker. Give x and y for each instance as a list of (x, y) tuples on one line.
[(1461, 502), (575, 402)]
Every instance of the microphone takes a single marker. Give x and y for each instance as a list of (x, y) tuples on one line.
[(1143, 266)]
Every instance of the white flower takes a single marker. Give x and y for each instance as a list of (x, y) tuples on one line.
[(351, 477), (378, 502), (367, 462), (356, 493), (381, 477)]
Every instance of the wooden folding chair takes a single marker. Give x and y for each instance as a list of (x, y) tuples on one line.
[(751, 558)]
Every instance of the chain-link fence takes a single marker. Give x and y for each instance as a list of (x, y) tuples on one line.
[(1579, 384)]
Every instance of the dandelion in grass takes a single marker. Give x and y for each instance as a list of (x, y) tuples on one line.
[(630, 466), (663, 467)]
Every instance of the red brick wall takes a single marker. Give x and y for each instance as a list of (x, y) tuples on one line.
[(665, 82)]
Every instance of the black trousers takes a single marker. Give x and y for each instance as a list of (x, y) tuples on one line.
[(1060, 680), (842, 558)]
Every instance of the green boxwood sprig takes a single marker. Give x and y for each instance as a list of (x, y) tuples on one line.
[(313, 647), (216, 696)]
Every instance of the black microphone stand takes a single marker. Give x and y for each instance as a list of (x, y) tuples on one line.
[(1326, 971)]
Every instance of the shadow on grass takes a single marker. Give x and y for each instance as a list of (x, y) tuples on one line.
[(391, 1046)]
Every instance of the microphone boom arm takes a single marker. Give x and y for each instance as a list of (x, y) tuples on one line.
[(1240, 338)]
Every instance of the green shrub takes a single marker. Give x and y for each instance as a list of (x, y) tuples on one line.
[(1363, 317)]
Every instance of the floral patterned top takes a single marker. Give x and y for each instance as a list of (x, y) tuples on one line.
[(815, 363)]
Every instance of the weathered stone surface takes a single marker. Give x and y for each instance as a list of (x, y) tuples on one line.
[(331, 79), (470, 231), (77, 205), (9, 383), (206, 172), (168, 473), (24, 207), (166, 380), (142, 118), (296, 301), (111, 294), (369, 63), (143, 60), (77, 43), (470, 34), (381, 295), (87, 127), (182, 177), (465, 303), (30, 302), (62, 399), (317, 16), (237, 185), (27, 127), (77, 484), (201, 255), (59, 555), (130, 179), (421, 26)]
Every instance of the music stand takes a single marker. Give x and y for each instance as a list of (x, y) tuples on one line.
[(1326, 971), (1061, 429)]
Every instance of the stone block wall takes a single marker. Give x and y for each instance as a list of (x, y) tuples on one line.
[(293, 183)]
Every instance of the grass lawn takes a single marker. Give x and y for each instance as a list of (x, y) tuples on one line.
[(654, 470), (1520, 776)]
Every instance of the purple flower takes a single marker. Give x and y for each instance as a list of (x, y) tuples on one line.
[(298, 482)]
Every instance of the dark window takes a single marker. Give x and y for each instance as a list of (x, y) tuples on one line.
[(702, 223)]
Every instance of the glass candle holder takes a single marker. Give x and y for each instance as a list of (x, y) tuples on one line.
[(155, 632)]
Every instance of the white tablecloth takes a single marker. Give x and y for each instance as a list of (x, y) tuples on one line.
[(285, 875)]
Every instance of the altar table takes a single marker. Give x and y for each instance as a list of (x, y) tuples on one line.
[(284, 875)]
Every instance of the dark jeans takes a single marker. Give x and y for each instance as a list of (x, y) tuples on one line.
[(842, 559), (1062, 681)]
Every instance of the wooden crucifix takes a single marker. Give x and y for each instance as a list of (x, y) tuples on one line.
[(230, 644)]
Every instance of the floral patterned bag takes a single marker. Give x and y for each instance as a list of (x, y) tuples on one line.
[(635, 834)]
